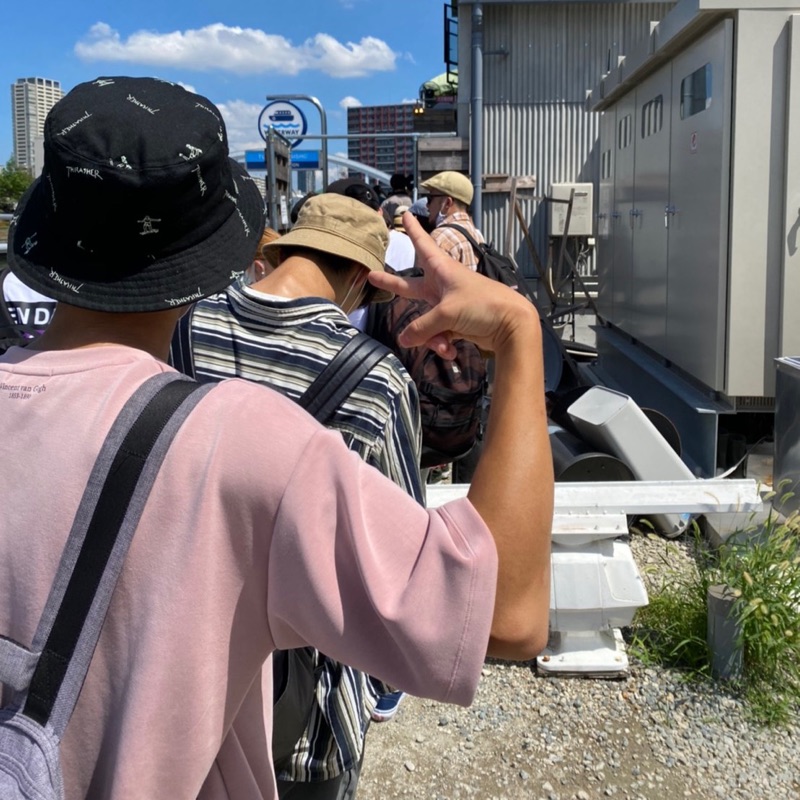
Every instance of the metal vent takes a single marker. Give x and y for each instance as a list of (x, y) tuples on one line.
[(754, 403)]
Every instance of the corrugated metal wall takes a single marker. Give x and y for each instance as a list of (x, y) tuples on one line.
[(534, 117)]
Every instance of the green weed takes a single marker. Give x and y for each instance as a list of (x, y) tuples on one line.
[(761, 566), (671, 630)]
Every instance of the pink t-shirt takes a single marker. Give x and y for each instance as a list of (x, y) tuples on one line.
[(263, 530)]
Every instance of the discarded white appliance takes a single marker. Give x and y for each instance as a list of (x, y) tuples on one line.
[(596, 586), (612, 422)]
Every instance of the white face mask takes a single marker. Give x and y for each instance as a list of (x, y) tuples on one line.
[(358, 284), (440, 218)]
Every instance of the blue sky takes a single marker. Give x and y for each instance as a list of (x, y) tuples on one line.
[(367, 52)]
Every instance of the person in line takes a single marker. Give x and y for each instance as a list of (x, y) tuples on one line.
[(402, 187), (262, 529), (265, 260), (419, 209), (449, 196), (283, 331), (399, 252), (24, 313)]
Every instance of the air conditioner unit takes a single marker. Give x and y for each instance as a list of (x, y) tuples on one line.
[(582, 216)]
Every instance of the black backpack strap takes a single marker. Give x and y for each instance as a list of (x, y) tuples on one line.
[(293, 674), (522, 281), (341, 376), (463, 231), (105, 522)]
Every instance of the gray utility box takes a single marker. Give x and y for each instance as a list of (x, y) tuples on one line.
[(581, 220), (698, 197), (786, 463)]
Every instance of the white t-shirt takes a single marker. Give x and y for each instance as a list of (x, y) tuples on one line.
[(400, 253)]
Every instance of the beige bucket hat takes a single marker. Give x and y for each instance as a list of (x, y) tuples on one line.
[(333, 223)]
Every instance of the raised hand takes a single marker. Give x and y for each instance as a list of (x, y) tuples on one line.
[(465, 305)]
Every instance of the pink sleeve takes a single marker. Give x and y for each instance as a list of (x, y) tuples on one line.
[(372, 579)]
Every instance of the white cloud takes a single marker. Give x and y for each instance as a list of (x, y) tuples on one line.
[(244, 51), (350, 102), (241, 122), (409, 100)]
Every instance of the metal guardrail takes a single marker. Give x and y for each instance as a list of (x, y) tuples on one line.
[(4, 245)]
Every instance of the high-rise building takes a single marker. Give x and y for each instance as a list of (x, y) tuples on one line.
[(31, 99), (384, 153)]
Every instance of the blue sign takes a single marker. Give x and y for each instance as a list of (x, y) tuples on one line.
[(305, 159), (286, 118), (255, 159)]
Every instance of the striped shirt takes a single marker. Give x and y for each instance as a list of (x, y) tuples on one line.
[(286, 344), (454, 243)]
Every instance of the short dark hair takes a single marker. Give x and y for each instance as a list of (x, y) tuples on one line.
[(358, 190), (298, 205), (401, 184)]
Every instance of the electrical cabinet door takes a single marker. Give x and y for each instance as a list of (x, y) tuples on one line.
[(605, 215), (651, 198), (625, 224), (697, 279)]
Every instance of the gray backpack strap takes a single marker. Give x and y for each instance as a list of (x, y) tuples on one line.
[(101, 533)]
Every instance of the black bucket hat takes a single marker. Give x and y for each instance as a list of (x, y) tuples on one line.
[(139, 207)]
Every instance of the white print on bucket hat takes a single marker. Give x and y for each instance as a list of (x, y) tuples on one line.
[(52, 193), (30, 243), (64, 282), (182, 301), (65, 130), (244, 222), (92, 173), (192, 154), (103, 82), (139, 103), (206, 108), (203, 186), (147, 225)]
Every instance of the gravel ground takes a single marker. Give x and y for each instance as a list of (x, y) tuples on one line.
[(648, 736)]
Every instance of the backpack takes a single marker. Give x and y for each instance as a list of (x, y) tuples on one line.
[(560, 368), (495, 265), (450, 392), (47, 678)]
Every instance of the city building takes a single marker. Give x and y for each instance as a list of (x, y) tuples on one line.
[(383, 152), (31, 99), (306, 180)]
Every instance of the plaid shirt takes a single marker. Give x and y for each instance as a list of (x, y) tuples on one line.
[(453, 243)]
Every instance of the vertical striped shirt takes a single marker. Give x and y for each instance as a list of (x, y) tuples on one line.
[(286, 344)]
